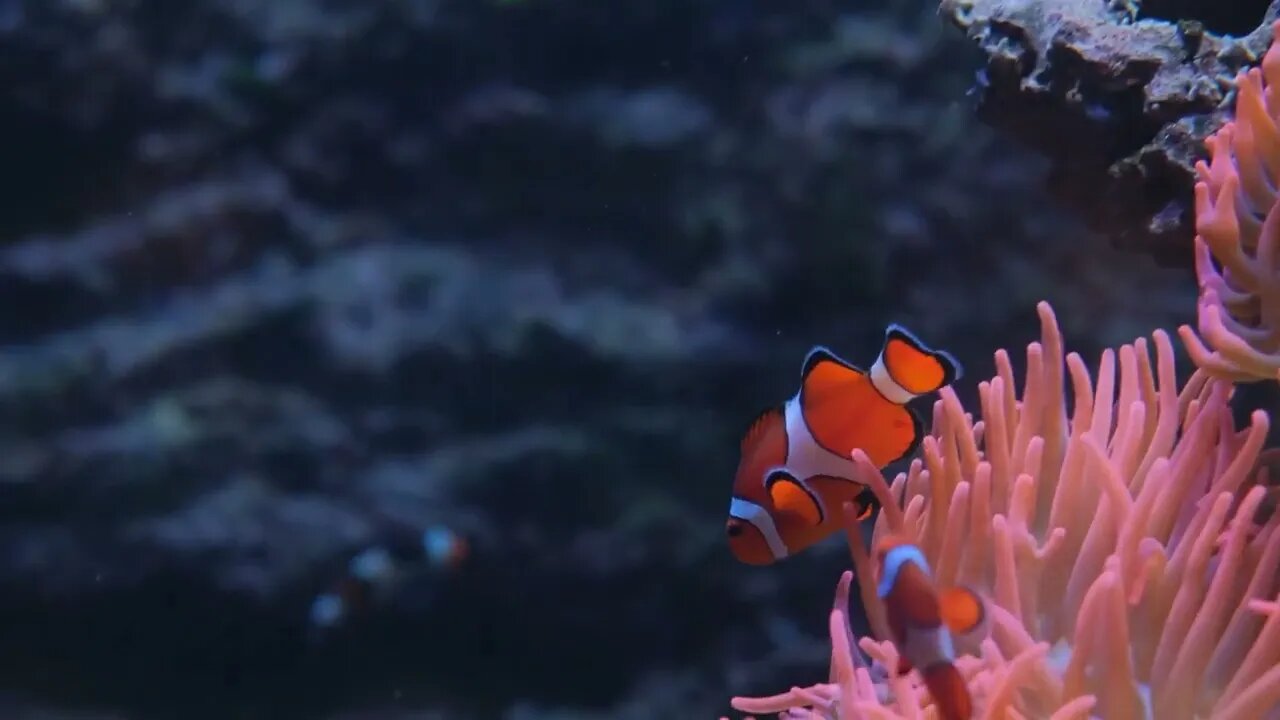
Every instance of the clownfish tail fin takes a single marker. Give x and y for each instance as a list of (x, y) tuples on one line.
[(949, 691), (913, 366)]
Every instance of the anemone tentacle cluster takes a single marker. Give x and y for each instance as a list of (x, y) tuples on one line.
[(1121, 540), (1237, 245)]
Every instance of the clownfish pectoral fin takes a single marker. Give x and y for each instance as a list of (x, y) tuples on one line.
[(914, 366), (790, 496), (964, 613), (824, 370), (962, 610), (950, 694)]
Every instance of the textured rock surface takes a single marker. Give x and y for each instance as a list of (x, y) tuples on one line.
[(278, 279), (1120, 96)]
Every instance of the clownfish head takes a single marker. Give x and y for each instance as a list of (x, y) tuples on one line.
[(891, 553), (753, 526), (754, 535)]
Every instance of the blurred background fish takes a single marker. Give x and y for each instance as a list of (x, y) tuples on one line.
[(374, 576)]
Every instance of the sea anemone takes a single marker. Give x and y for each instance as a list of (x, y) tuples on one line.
[(1237, 245), (1121, 541)]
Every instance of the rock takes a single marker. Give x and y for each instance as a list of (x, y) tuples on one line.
[(1119, 96)]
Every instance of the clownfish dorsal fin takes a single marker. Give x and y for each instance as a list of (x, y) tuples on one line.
[(759, 425), (820, 356), (824, 373), (914, 366), (789, 496)]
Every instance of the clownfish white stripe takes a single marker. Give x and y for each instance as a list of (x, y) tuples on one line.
[(893, 562), (760, 518), (805, 455), (888, 387)]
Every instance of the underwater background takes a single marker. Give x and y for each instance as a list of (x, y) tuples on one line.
[(284, 281)]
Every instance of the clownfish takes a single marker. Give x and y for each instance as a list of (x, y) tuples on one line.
[(926, 621), (795, 471), (375, 574)]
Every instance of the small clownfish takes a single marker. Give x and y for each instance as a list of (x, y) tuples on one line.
[(795, 472), (923, 619), (376, 573)]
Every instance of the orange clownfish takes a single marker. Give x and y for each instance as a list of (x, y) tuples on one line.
[(796, 471), (923, 619)]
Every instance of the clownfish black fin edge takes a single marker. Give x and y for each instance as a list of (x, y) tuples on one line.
[(781, 477), (820, 354), (952, 370), (917, 435)]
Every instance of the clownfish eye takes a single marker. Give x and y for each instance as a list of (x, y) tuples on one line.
[(733, 528)]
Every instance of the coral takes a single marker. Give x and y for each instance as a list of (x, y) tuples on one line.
[(1126, 576), (1119, 95), (1238, 226)]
